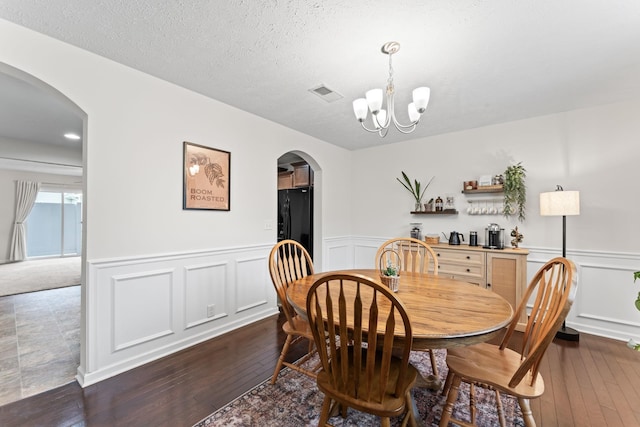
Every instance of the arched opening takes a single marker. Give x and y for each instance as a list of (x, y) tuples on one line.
[(300, 202), (32, 148)]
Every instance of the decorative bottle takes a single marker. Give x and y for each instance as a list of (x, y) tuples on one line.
[(439, 204)]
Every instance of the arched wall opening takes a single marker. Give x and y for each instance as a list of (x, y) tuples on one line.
[(294, 156)]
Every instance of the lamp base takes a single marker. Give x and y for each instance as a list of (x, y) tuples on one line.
[(568, 334)]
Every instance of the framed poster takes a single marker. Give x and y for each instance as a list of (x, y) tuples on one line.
[(206, 178)]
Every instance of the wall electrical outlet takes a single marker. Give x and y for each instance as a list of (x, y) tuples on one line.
[(268, 225), (211, 310)]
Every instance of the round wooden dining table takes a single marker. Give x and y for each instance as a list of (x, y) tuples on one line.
[(444, 313)]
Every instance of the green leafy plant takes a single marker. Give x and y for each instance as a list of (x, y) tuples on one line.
[(636, 276), (415, 187), (515, 191), (391, 270), (632, 344)]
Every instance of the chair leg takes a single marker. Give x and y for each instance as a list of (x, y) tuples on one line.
[(285, 348), (503, 421), (411, 415), (452, 396), (324, 412), (447, 383), (527, 415), (472, 403), (385, 422), (434, 365)]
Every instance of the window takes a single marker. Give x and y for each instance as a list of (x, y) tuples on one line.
[(54, 226)]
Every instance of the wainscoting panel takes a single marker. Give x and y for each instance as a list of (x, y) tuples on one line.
[(338, 254), (253, 285), (140, 309), (205, 293), (134, 320)]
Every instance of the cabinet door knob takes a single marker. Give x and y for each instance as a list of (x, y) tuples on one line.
[(467, 270), (468, 257), (488, 285), (438, 253)]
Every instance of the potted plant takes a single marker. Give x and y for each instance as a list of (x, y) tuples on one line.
[(390, 276), (636, 276), (390, 273), (415, 189), (515, 191)]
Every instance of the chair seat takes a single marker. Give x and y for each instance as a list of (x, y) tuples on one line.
[(487, 364), (300, 327), (390, 406)]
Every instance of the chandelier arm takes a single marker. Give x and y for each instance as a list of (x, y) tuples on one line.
[(409, 128), (392, 115), (369, 130)]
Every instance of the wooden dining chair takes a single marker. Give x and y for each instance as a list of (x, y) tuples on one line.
[(289, 261), (508, 371), (416, 257), (359, 368)]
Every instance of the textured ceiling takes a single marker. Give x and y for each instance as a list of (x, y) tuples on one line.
[(486, 62)]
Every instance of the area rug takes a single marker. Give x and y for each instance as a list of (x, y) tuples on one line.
[(39, 275), (295, 401)]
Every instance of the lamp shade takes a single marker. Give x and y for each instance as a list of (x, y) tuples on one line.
[(360, 108), (558, 203)]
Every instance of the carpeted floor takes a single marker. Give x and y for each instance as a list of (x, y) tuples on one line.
[(295, 401), (39, 275)]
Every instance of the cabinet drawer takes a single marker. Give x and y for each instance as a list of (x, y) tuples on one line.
[(460, 257), (478, 281), (463, 269)]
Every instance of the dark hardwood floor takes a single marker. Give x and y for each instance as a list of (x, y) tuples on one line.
[(595, 382)]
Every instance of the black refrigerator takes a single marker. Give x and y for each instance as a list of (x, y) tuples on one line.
[(295, 216)]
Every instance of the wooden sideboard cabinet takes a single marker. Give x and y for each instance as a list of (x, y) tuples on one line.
[(504, 271)]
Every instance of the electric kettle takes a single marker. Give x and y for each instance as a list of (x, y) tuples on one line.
[(454, 238)]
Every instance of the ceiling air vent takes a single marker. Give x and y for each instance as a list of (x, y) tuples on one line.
[(325, 93)]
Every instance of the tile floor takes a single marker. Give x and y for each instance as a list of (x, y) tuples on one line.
[(39, 341)]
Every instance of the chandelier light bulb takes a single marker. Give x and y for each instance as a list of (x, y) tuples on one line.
[(382, 119), (414, 115), (360, 108), (374, 99), (421, 98)]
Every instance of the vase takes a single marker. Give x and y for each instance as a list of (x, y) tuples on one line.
[(418, 207)]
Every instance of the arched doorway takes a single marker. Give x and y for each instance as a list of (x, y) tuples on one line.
[(300, 202), (30, 149)]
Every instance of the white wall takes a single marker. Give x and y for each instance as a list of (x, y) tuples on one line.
[(8, 180), (133, 159), (593, 150)]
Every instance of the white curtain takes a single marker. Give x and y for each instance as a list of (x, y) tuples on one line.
[(26, 193)]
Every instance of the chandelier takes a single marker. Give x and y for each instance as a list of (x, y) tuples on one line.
[(373, 102)]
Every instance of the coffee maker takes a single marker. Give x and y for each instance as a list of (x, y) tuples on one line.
[(493, 237)]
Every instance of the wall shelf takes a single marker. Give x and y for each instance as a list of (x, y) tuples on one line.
[(491, 189), (443, 212)]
